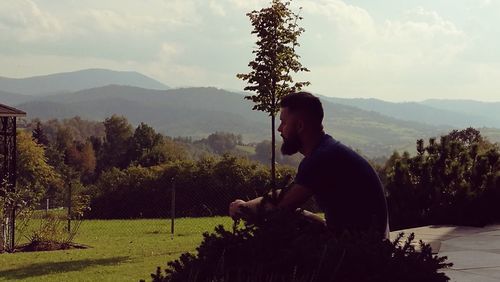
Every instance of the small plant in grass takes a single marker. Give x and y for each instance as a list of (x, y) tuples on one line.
[(52, 231), (20, 200), (48, 235), (284, 246)]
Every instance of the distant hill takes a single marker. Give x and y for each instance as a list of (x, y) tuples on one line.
[(374, 127), (193, 112), (486, 110), (76, 81), (428, 112), (493, 134), (8, 98), (197, 112), (48, 110)]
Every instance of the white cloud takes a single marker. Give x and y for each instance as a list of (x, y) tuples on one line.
[(248, 5), (26, 65), (431, 23), (343, 17), (150, 18), (217, 8), (351, 49), (387, 58), (24, 21), (167, 72), (418, 34), (32, 21), (422, 38), (168, 51), (484, 3), (108, 21)]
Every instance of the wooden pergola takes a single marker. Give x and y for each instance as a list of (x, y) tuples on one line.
[(8, 156)]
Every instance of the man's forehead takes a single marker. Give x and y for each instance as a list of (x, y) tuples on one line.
[(285, 113)]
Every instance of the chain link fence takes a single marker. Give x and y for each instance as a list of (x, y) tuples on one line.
[(169, 209)]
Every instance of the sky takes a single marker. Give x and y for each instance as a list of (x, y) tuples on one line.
[(393, 50)]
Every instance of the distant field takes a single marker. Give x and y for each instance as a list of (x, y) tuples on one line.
[(247, 149), (120, 250), (493, 134)]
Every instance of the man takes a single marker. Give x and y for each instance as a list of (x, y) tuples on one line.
[(345, 186)]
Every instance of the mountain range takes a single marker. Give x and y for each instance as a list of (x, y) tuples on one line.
[(75, 81), (490, 111), (374, 127), (451, 113)]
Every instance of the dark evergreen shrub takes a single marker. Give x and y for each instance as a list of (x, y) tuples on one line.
[(287, 247)]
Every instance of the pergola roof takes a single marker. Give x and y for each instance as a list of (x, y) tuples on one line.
[(6, 111)]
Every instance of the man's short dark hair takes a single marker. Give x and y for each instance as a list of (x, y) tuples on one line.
[(306, 103)]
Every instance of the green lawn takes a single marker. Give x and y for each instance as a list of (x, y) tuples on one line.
[(120, 250), (247, 149)]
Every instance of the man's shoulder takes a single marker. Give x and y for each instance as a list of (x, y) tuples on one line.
[(328, 144), (339, 149), (332, 152), (323, 153)]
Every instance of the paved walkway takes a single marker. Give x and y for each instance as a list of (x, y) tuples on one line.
[(474, 252)]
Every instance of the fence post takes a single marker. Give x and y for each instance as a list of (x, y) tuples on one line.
[(3, 236), (69, 206), (12, 229), (172, 211)]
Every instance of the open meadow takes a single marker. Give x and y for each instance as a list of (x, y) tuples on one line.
[(119, 250)]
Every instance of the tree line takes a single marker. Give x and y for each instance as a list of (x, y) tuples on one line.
[(455, 180), (128, 172), (113, 164)]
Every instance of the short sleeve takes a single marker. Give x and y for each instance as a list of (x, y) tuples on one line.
[(306, 173)]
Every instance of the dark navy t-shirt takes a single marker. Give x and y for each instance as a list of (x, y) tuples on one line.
[(346, 188)]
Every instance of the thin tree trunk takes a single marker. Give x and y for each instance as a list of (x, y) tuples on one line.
[(273, 156), (69, 206)]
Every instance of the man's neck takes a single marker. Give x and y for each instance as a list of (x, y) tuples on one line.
[(310, 142)]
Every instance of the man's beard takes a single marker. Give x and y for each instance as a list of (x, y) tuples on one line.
[(291, 145)]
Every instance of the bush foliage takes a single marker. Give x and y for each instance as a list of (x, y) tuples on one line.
[(287, 247), (130, 173), (203, 188), (453, 181)]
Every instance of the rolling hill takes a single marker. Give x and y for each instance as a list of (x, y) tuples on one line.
[(197, 112), (75, 81), (437, 112), (8, 98), (374, 127), (487, 110)]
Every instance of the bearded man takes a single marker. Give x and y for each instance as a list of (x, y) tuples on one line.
[(346, 188)]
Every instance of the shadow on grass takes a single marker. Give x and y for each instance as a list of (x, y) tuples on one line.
[(39, 269)]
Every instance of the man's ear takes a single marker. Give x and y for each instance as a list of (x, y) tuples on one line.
[(300, 125)]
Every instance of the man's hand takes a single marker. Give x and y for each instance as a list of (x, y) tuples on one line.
[(293, 199), (235, 209)]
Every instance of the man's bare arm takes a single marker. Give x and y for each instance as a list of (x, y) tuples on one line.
[(293, 199)]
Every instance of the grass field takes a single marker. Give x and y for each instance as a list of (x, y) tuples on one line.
[(120, 250)]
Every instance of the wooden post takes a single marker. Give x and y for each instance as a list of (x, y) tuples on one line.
[(69, 206), (172, 211), (13, 176), (12, 229)]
